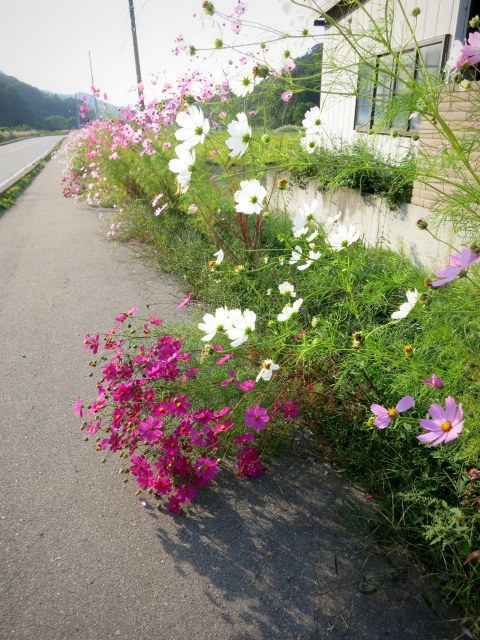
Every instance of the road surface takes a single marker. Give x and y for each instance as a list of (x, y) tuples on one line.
[(17, 156), (276, 558)]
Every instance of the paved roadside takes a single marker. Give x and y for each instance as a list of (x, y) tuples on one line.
[(272, 559)]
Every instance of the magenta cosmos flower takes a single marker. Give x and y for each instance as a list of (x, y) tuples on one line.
[(256, 417), (458, 263), (446, 425), (385, 416)]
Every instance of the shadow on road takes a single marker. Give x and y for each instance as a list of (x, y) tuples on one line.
[(285, 557)]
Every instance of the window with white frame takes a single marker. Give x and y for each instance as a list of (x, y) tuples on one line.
[(381, 86)]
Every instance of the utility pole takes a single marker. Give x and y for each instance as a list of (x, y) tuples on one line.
[(135, 51), (93, 87), (76, 110)]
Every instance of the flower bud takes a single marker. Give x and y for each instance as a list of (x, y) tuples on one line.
[(371, 421), (415, 137), (475, 247), (466, 84), (475, 22), (190, 100), (314, 321), (266, 138), (424, 298), (191, 50), (86, 439), (282, 184), (394, 133), (409, 350), (422, 224), (416, 11), (357, 335), (356, 344)]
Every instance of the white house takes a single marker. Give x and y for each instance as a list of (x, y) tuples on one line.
[(440, 30)]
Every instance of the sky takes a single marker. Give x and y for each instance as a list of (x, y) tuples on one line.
[(46, 44)]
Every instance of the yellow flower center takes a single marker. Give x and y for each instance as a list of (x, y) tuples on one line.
[(446, 425), (393, 413)]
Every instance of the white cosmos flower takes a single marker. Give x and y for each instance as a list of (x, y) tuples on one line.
[(241, 134), (406, 307), (289, 309), (305, 212), (240, 325), (333, 219), (342, 237), (219, 256), (312, 121), (312, 236), (183, 165), (287, 289), (296, 255), (213, 323), (266, 370), (313, 256), (242, 84), (250, 197), (194, 126), (311, 142)]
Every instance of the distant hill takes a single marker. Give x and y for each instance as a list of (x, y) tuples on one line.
[(20, 103)]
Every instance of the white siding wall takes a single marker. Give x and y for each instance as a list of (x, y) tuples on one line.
[(437, 18)]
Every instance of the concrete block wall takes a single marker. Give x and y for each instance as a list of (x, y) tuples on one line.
[(396, 230)]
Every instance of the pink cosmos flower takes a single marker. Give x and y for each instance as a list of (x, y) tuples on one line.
[(472, 49), (256, 417), (229, 380), (184, 302), (447, 424), (225, 358), (248, 462), (206, 468), (159, 210), (79, 407), (458, 263), (236, 26), (385, 416), (216, 347), (222, 115), (244, 438), (151, 429), (289, 410), (434, 381), (91, 342), (126, 314), (246, 386), (286, 95), (166, 145), (240, 8)]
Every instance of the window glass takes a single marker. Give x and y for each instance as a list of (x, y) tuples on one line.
[(366, 83), (401, 102), (429, 61), (383, 92)]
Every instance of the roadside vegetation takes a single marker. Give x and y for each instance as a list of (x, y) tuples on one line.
[(309, 342)]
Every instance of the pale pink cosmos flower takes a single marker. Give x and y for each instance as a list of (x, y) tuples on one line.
[(458, 263), (385, 416), (159, 210), (166, 145), (446, 425), (222, 115), (472, 49), (286, 95), (434, 381), (236, 26)]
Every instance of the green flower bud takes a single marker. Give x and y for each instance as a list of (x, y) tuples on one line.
[(466, 84), (266, 138), (191, 50), (416, 11)]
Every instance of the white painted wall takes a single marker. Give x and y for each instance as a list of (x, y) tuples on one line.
[(396, 230)]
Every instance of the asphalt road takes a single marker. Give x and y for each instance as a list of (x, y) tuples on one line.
[(277, 558), (17, 155)]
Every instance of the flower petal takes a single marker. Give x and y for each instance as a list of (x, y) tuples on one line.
[(430, 425), (437, 412), (382, 421), (450, 408), (405, 403), (378, 410)]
